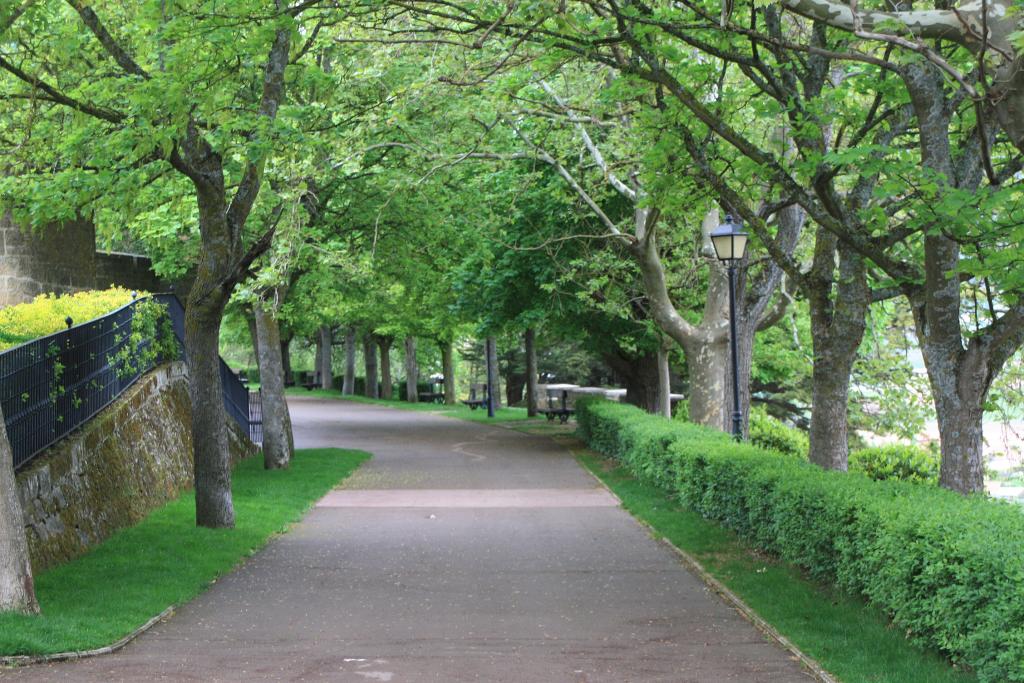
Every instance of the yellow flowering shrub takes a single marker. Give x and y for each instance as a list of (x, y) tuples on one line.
[(46, 313)]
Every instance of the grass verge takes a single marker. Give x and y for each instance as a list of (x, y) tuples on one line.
[(166, 560), (459, 411), (848, 638)]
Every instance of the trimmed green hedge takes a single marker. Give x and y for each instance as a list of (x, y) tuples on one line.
[(768, 432), (908, 462), (948, 569)]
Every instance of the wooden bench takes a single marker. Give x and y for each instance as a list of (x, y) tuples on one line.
[(476, 390), (560, 404), (310, 380)]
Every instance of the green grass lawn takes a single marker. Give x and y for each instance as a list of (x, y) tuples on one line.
[(460, 411), (166, 560), (847, 637)]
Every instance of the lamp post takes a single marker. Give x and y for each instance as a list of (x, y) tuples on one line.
[(730, 244)]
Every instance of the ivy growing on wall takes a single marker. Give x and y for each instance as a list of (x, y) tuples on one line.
[(150, 340)]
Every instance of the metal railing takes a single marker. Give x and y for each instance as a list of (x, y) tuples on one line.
[(256, 417), (52, 385)]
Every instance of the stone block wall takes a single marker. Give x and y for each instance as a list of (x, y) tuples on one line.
[(126, 270), (64, 259), (134, 456), (61, 259)]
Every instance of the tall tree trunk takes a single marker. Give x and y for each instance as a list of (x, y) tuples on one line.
[(493, 376), (278, 442), (203, 315), (348, 384), (325, 361), (222, 262), (286, 359), (515, 385), (250, 320), (531, 372), (708, 363), (412, 371), (960, 377), (838, 321), (638, 375), (318, 355), (664, 391), (448, 368), (370, 362), (706, 346), (387, 386), (961, 436), (17, 589)]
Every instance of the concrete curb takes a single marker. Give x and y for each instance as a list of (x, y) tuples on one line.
[(25, 660), (695, 567)]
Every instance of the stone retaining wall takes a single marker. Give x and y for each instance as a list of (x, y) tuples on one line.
[(134, 456)]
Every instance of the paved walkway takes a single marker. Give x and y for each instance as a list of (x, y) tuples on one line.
[(461, 552)]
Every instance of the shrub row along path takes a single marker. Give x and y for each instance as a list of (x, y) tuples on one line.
[(461, 552)]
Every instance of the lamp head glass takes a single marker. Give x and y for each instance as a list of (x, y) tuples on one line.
[(729, 240)]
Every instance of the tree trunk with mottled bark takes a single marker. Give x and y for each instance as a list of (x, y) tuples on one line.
[(838, 308), (708, 364), (17, 588), (664, 391), (412, 371), (494, 375), (448, 368), (348, 383), (960, 374), (318, 354), (325, 361), (531, 372), (278, 442), (212, 463), (370, 363), (387, 386), (706, 345)]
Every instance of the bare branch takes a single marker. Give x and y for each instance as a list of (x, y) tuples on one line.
[(595, 153)]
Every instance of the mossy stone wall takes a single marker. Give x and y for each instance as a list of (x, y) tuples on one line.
[(134, 456)]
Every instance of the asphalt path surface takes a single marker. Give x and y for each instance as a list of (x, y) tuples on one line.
[(460, 552)]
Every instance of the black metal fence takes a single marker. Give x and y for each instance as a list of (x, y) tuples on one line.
[(256, 417), (52, 385), (237, 398)]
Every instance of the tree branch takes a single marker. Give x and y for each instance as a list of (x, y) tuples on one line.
[(110, 45), (59, 97), (595, 153), (273, 93)]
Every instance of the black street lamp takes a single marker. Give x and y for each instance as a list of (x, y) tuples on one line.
[(730, 244)]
